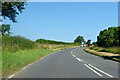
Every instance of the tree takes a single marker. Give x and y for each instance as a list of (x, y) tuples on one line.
[(109, 37), (79, 39), (12, 9), (89, 42), (119, 35), (5, 29)]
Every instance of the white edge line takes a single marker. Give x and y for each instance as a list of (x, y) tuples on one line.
[(93, 70), (24, 68), (32, 63), (100, 70), (11, 76)]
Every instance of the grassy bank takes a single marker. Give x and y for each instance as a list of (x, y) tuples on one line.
[(13, 61), (105, 55), (115, 50), (18, 52)]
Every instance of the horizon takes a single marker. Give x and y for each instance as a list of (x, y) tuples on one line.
[(65, 21)]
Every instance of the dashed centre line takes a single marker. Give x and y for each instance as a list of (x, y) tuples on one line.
[(92, 68), (79, 60)]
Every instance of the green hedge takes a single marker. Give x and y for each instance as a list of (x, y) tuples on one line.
[(43, 41), (15, 43)]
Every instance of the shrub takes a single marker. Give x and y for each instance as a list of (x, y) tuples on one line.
[(43, 41), (14, 43)]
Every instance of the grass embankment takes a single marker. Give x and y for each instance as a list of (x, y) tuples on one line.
[(112, 53), (15, 61), (115, 50), (18, 52)]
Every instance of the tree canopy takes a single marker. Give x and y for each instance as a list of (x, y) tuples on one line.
[(5, 29), (109, 37), (89, 42), (12, 9), (79, 39)]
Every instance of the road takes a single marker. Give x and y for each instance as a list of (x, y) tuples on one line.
[(70, 63)]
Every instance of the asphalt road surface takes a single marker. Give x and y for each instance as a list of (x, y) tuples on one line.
[(70, 63)]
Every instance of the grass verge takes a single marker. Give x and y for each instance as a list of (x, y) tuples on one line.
[(115, 50), (14, 61), (105, 55)]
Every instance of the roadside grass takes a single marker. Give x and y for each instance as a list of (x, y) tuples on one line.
[(18, 52), (53, 47), (13, 61), (115, 50), (105, 55)]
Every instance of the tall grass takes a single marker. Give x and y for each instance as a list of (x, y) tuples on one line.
[(43, 41), (115, 50), (17, 52), (16, 43), (14, 61)]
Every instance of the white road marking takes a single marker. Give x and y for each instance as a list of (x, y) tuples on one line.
[(93, 70), (30, 64), (11, 76), (92, 67), (79, 60), (100, 70), (74, 56), (71, 52), (24, 68)]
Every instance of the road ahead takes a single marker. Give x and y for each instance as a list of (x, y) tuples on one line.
[(70, 63)]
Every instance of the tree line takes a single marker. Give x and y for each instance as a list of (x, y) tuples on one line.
[(109, 37), (44, 41), (80, 39)]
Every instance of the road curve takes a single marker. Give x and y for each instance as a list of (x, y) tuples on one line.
[(70, 63)]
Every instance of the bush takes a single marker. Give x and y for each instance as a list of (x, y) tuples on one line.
[(43, 41), (15, 43)]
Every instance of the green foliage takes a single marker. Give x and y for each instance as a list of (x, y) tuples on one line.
[(15, 43), (79, 39), (5, 29), (12, 9), (115, 50), (18, 52), (109, 37), (43, 41), (89, 42), (12, 61)]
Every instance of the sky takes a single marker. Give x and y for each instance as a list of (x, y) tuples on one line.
[(73, 0), (64, 21)]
